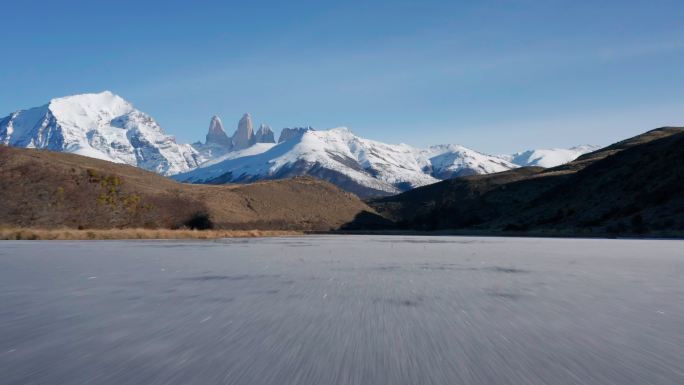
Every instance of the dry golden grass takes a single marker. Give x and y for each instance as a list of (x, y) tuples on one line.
[(74, 234)]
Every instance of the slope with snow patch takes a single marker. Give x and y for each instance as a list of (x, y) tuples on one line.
[(549, 157)]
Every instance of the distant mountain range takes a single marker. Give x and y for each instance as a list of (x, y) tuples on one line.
[(635, 187), (105, 126), (362, 166)]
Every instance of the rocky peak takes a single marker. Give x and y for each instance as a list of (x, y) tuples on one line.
[(264, 134), (289, 133), (244, 136), (217, 135)]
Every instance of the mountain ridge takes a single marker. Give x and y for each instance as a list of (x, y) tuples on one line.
[(106, 126)]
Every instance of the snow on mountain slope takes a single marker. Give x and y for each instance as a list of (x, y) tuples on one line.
[(453, 160), (363, 166), (255, 149), (549, 157), (359, 165), (101, 125)]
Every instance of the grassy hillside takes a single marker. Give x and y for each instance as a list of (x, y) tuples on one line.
[(632, 187), (50, 190)]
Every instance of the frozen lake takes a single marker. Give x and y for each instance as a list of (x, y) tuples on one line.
[(343, 310)]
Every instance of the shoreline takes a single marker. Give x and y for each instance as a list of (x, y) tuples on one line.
[(70, 234), (675, 235)]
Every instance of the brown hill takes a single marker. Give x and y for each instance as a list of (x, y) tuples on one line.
[(49, 189), (632, 187)]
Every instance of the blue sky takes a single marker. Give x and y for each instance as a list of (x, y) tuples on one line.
[(497, 76)]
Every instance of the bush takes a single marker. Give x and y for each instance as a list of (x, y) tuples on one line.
[(93, 175), (199, 221)]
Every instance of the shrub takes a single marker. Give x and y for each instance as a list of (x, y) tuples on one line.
[(93, 175), (59, 194), (199, 221)]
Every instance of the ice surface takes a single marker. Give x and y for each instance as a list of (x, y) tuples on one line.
[(343, 310)]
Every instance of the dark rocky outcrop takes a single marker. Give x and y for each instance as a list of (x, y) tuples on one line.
[(244, 135), (289, 133), (217, 135), (264, 135)]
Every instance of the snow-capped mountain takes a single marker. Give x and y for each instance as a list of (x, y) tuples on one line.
[(549, 157), (106, 126), (362, 166), (453, 160), (103, 126)]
